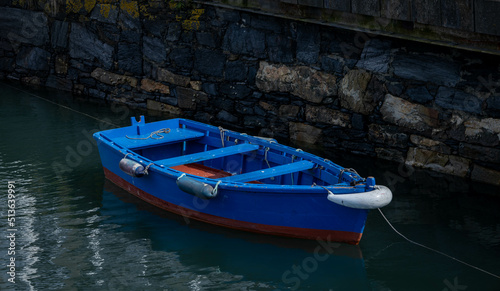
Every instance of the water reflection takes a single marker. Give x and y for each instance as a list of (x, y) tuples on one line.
[(241, 256)]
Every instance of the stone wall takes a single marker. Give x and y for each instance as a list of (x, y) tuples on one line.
[(418, 104)]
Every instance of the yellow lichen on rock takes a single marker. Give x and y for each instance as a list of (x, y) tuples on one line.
[(130, 7)]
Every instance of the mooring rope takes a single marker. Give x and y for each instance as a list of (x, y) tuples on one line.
[(436, 251), (60, 105), (153, 134)]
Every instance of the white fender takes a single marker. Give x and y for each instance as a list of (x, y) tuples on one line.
[(380, 196)]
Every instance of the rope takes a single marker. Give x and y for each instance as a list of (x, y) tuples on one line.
[(265, 156), (147, 168), (60, 105), (222, 130), (153, 134), (436, 251), (216, 188)]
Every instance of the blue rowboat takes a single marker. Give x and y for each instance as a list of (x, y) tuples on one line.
[(238, 181)]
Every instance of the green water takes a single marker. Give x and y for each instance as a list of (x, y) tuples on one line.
[(75, 231)]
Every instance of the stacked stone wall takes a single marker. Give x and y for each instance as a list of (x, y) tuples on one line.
[(418, 104)]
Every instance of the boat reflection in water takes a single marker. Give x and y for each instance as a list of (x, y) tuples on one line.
[(276, 262)]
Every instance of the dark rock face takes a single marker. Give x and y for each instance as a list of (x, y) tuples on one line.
[(33, 58), (287, 79), (245, 41), (209, 62), (308, 44), (419, 94), (455, 99), (375, 56), (22, 26), (154, 50), (59, 34), (86, 46), (427, 69)]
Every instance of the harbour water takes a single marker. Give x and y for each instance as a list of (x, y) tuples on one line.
[(73, 230)]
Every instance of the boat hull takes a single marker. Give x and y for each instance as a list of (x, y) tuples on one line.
[(297, 211)]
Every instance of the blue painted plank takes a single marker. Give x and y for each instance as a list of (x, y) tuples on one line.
[(208, 155), (175, 135), (271, 172)]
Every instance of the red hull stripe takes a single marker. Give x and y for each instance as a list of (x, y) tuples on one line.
[(315, 234)]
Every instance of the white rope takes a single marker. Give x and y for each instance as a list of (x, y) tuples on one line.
[(222, 130), (153, 134), (436, 251)]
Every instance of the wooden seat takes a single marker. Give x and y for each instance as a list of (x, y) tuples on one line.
[(208, 155), (271, 172)]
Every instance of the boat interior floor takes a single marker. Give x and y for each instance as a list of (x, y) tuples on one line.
[(204, 171)]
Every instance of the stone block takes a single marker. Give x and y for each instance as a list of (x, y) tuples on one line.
[(332, 64), (106, 13), (61, 65), (486, 16), (388, 135), (366, 7), (196, 85), (187, 98), (59, 34), (113, 79), (313, 3), (390, 154), (129, 57), (458, 14), (159, 106), (182, 58), (245, 41), (493, 106), (59, 83), (484, 131), (300, 81), (165, 75), (353, 93), (451, 98), (427, 68), (326, 115), (33, 58), (396, 9), (149, 85), (485, 175), (404, 113), (235, 91), (438, 162), (419, 94), (236, 71), (254, 122), (227, 117), (154, 50), (426, 11), (308, 43), (7, 64), (341, 5), (280, 48), (375, 56), (302, 132), (207, 39), (209, 62), (24, 26), (291, 111), (430, 144), (129, 16), (87, 46), (479, 153)]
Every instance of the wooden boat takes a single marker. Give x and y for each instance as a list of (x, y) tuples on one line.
[(238, 181)]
